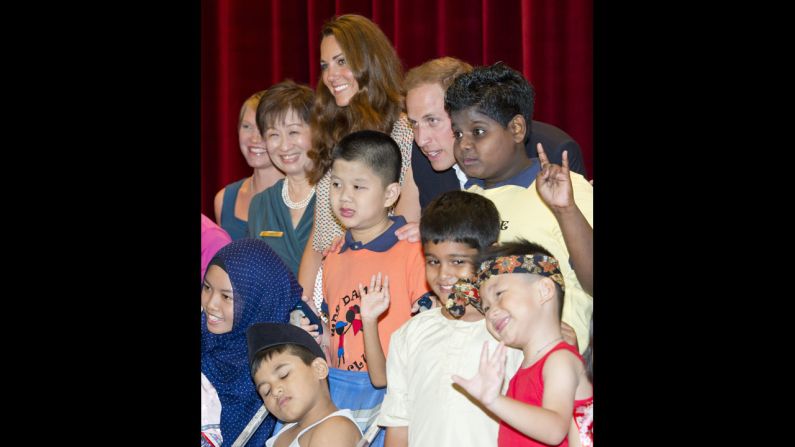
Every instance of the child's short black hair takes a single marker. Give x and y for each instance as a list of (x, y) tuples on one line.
[(498, 91), (299, 351), (374, 149), (522, 247), (461, 216)]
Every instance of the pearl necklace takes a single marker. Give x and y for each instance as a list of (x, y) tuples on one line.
[(295, 205)]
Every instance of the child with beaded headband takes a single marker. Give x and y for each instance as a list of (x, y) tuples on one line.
[(521, 289)]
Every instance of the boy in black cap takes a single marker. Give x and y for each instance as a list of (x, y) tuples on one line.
[(290, 374)]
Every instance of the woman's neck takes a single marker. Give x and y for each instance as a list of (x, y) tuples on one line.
[(264, 178), (298, 186)]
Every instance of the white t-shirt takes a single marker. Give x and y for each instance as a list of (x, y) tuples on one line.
[(424, 353)]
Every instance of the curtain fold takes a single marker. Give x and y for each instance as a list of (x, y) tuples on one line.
[(248, 45)]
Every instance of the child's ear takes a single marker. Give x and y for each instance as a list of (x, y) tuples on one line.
[(320, 368), (392, 194), (546, 290), (518, 127)]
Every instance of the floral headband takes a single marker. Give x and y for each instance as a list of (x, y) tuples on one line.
[(535, 264), (466, 291)]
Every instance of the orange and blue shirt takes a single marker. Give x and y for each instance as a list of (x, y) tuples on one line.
[(402, 261)]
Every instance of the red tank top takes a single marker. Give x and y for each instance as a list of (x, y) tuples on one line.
[(528, 386)]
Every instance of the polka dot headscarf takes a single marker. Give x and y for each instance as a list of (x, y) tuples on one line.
[(263, 290)]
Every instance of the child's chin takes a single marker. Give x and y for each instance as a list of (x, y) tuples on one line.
[(348, 223)]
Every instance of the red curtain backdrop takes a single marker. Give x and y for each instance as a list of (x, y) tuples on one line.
[(248, 45)]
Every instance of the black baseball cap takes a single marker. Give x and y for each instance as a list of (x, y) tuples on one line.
[(261, 336)]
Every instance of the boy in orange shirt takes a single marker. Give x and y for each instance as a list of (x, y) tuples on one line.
[(364, 186)]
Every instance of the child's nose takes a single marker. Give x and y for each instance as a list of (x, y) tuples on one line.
[(448, 271), (277, 391), (346, 194), (465, 143)]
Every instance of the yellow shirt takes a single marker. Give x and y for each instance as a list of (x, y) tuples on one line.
[(524, 214)]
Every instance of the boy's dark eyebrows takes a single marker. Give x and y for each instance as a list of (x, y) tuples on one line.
[(457, 255), (451, 255), (460, 255)]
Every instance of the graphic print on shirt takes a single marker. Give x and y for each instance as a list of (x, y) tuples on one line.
[(352, 311)]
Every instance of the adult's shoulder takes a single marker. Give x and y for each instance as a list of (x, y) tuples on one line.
[(555, 140), (261, 199)]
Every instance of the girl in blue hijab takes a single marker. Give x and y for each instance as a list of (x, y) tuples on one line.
[(246, 283)]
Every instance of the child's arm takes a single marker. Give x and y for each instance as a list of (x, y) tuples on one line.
[(555, 189), (550, 422), (396, 437), (574, 435), (324, 338), (374, 303), (408, 204), (310, 263)]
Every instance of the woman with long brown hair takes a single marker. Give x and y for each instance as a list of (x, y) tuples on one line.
[(360, 88)]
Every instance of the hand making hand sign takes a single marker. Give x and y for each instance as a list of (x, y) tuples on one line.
[(554, 181)]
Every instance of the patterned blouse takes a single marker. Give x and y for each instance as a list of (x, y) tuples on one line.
[(326, 225)]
